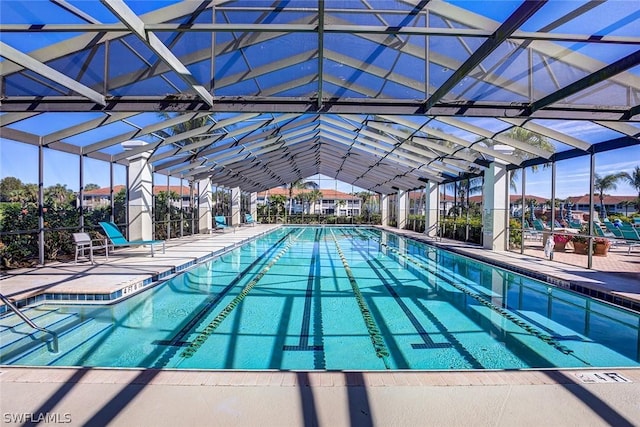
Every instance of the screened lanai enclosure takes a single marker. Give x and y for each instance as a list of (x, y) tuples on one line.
[(177, 111)]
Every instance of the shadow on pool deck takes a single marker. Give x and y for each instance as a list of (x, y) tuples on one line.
[(248, 398)]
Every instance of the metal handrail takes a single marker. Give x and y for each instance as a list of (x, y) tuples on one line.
[(29, 322)]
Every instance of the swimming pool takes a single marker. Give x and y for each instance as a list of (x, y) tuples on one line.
[(334, 298)]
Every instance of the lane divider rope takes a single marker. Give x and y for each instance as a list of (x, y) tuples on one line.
[(374, 333), (202, 337), (504, 313)]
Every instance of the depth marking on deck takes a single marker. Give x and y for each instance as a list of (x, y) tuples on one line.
[(601, 377)]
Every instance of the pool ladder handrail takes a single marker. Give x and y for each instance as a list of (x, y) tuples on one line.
[(29, 322)]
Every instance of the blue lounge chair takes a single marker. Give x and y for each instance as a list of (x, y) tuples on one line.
[(631, 237), (248, 219), (613, 229), (220, 223), (117, 239)]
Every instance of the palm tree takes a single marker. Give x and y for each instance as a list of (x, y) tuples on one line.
[(183, 127), (58, 195), (633, 178), (314, 196), (299, 184), (604, 183), (529, 137)]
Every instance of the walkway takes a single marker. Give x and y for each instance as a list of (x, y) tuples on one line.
[(123, 397)]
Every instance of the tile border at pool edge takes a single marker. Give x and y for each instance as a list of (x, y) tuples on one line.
[(128, 289), (275, 378)]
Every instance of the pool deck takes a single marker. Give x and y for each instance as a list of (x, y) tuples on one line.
[(90, 396)]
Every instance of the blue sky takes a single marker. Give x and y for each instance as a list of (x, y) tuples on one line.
[(20, 161)]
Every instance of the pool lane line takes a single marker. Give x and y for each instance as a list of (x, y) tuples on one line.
[(177, 340), (312, 278), (202, 337), (548, 339), (374, 332), (427, 343)]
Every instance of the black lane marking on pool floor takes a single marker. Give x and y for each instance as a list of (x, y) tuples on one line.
[(428, 342), (313, 277), (177, 340)]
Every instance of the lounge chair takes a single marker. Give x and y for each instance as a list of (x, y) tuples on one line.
[(220, 223), (117, 239), (530, 232), (248, 219), (613, 229), (636, 221), (538, 225), (83, 243), (631, 237)]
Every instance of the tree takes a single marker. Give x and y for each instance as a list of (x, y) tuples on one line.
[(365, 197), (299, 184), (528, 137), (604, 183), (90, 187), (7, 186), (277, 201), (633, 178), (58, 195), (314, 196)]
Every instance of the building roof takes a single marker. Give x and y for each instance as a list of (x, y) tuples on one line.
[(327, 194), (607, 199), (384, 95)]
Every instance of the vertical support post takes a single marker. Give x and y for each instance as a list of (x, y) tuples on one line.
[(494, 212), (80, 204), (40, 203), (431, 209), (236, 196), (192, 205), (402, 201), (384, 210), (592, 169), (168, 216), (112, 202), (524, 201), (253, 209), (140, 188), (205, 217), (181, 207)]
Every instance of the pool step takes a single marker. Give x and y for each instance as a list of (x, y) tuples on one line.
[(21, 337), (36, 314), (69, 341)]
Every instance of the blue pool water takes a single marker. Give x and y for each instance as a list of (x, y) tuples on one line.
[(337, 298)]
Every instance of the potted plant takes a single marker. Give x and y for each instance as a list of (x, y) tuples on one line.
[(580, 242), (601, 246), (560, 240)]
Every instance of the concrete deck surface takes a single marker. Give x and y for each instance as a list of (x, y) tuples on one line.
[(146, 397)]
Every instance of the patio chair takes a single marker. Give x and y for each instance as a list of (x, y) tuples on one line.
[(248, 219), (577, 225), (636, 221), (538, 225), (117, 239), (220, 224), (631, 237), (84, 243), (530, 232), (611, 228)]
